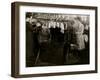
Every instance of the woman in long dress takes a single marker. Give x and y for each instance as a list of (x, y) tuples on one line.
[(78, 28)]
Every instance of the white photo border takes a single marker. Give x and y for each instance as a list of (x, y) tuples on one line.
[(54, 69)]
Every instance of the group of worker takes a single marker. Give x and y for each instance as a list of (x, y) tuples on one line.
[(73, 34)]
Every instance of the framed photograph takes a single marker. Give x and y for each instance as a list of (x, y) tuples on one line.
[(53, 39)]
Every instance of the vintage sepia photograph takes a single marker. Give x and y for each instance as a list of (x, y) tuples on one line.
[(53, 39), (57, 39)]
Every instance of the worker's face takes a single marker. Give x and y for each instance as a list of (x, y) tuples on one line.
[(38, 24)]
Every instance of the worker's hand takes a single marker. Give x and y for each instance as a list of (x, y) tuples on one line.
[(73, 46), (85, 38)]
